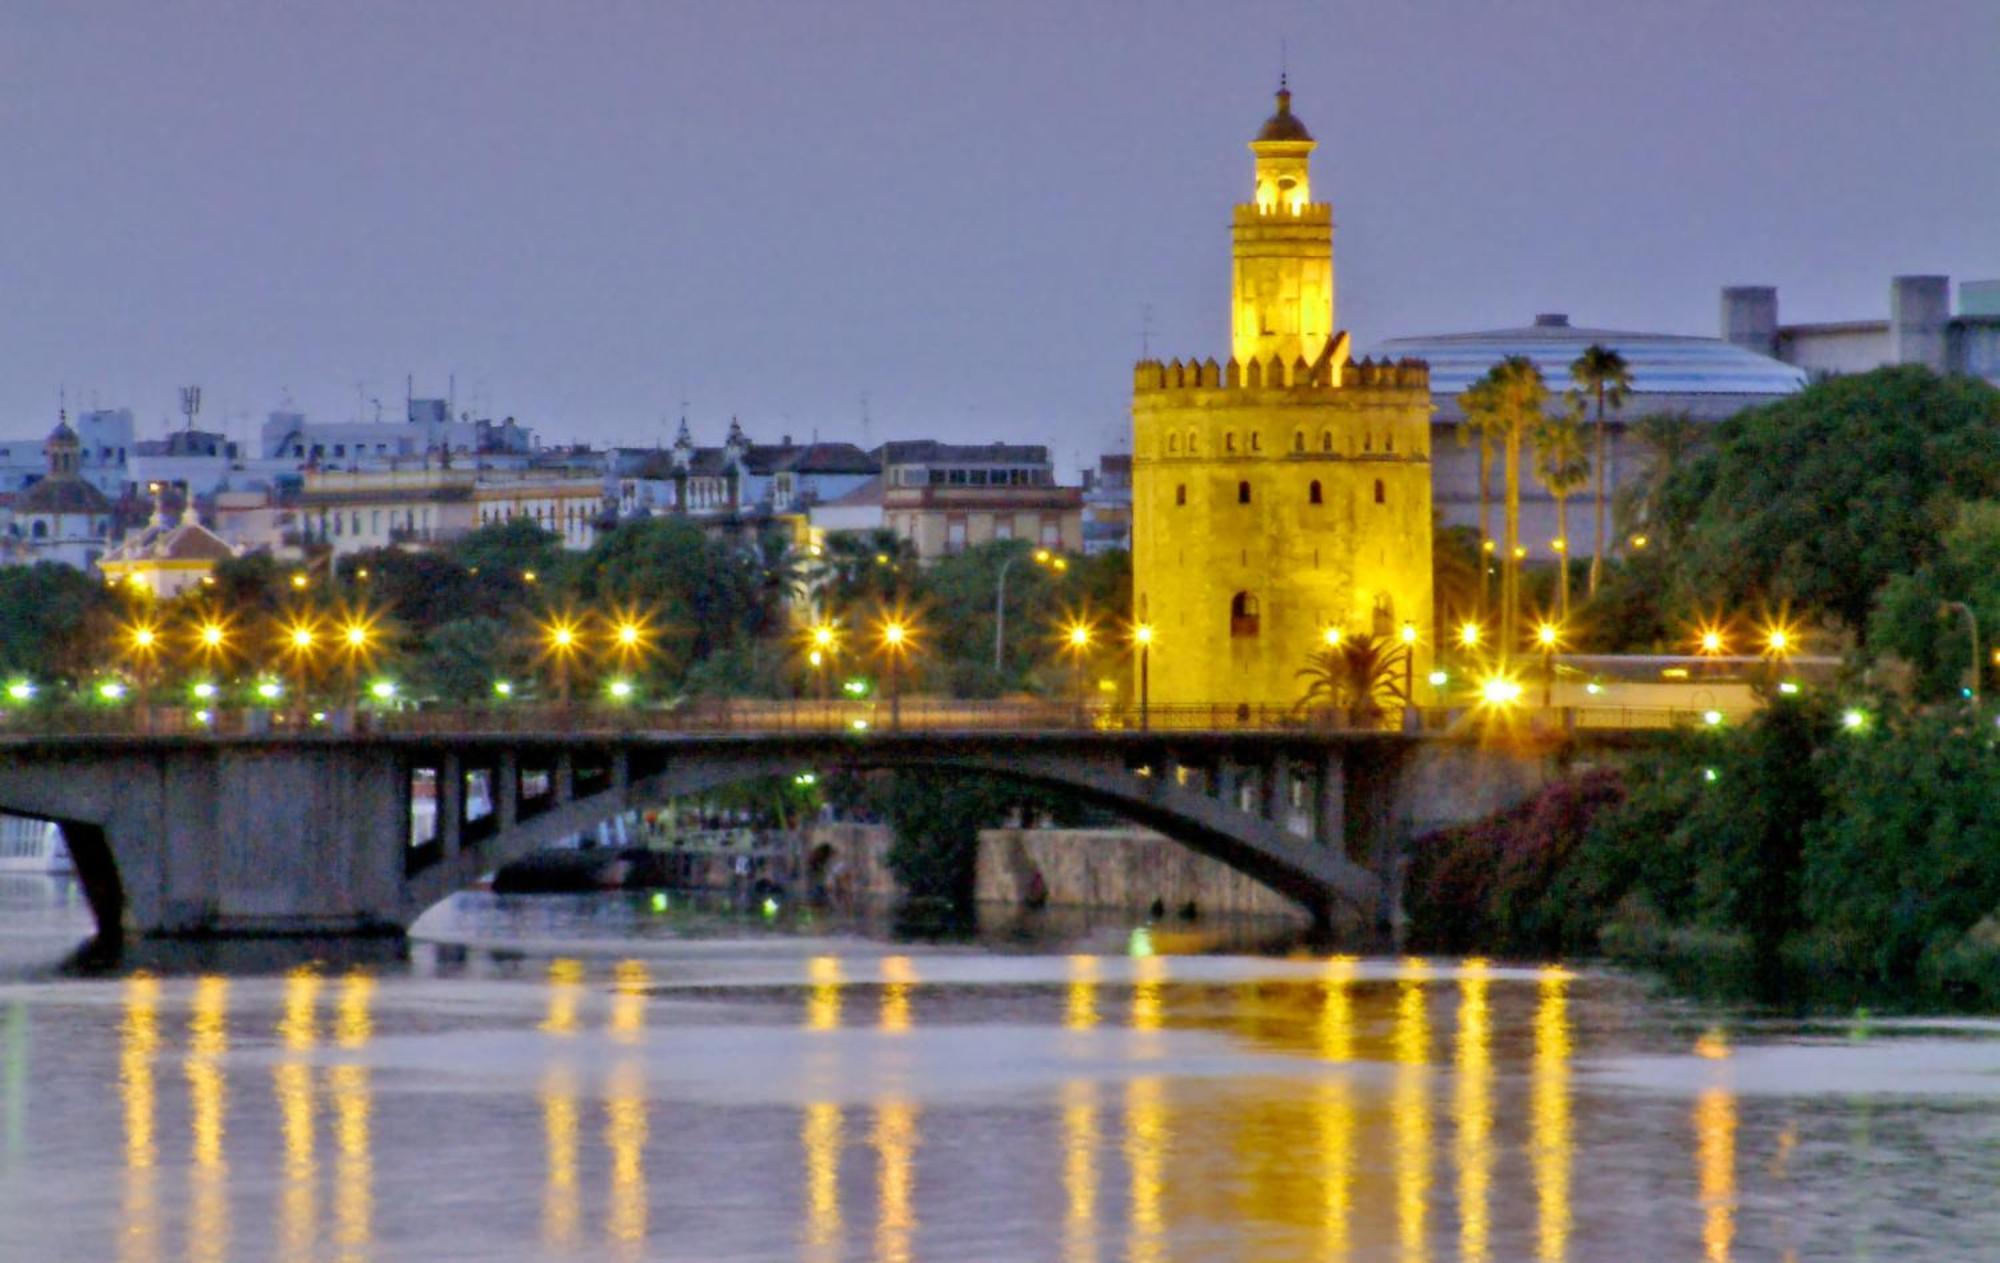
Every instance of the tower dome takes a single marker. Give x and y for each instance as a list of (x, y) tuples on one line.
[(1284, 125)]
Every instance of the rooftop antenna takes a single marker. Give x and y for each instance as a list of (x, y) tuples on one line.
[(190, 404), (1284, 71), (1146, 331)]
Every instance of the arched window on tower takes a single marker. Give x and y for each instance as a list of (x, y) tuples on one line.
[(1298, 441), (1180, 495), (1229, 441), (1173, 444), (1192, 446), (1256, 440), (1384, 619), (1313, 493), (1243, 492), (1381, 492), (1326, 441), (1242, 615)]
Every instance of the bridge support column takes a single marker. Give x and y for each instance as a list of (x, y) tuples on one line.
[(1374, 833), (507, 790), (1329, 803), (451, 804), (565, 787), (1275, 791)]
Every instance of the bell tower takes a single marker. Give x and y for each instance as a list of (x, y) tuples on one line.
[(1281, 292)]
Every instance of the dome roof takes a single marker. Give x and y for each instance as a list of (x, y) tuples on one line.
[(1660, 363), (61, 495), (1284, 125), (63, 433)]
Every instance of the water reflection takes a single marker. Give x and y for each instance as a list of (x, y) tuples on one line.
[(139, 1043), (559, 1124), (565, 992), (895, 1149), (1145, 1160), (1080, 1014), (819, 1136), (1079, 1118), (1410, 1109), (292, 1083), (823, 1002), (1335, 1029), (354, 1165), (630, 981), (208, 1211), (625, 1136), (898, 976), (1474, 1114), (1715, 1156), (1552, 1147), (14, 1094)]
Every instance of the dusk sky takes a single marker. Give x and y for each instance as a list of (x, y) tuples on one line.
[(590, 212)]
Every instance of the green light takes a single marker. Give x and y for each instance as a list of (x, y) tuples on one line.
[(1708, 774), (204, 717), (1141, 943), (1438, 679), (806, 778), (621, 689), (1713, 718), (1854, 719), (382, 690), (1788, 687), (204, 690), (1593, 688), (502, 688), (770, 907), (856, 687), (659, 901), (111, 691), (270, 690), (21, 691)]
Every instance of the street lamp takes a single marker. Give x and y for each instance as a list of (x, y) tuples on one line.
[(1972, 621), (1077, 638), (562, 639), (1470, 634), (894, 635), (1142, 636), (1041, 557), (1548, 636), (299, 642), (1409, 637)]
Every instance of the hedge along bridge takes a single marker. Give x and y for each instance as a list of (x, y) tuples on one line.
[(326, 832)]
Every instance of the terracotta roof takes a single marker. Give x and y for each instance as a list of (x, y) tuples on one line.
[(62, 495)]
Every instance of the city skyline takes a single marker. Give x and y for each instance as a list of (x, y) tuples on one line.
[(968, 218)]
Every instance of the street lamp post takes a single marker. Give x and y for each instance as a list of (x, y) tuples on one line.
[(1549, 637), (1142, 636), (1409, 664), (1042, 557), (895, 635), (1079, 644), (1972, 622)]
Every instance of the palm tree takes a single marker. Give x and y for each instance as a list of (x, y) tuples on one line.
[(1509, 401), (1475, 429), (1667, 442), (1600, 373), (859, 570), (1562, 465), (1457, 573), (777, 577), (1362, 675)]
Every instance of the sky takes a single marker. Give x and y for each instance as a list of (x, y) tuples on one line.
[(872, 220)]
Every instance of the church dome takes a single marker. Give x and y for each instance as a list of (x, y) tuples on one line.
[(61, 495), (63, 434), (1284, 125)]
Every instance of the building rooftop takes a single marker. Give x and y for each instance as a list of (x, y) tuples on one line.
[(1660, 363)]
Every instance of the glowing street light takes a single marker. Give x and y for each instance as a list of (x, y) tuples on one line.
[(1500, 691), (1470, 634), (1548, 638), (562, 640), (20, 692), (895, 637), (1330, 638), (1711, 642), (822, 642), (383, 690), (620, 690), (1077, 640)]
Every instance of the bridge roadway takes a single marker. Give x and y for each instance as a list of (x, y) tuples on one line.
[(254, 823)]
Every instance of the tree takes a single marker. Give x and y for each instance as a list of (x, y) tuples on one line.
[(1913, 621), (1456, 568), (517, 547), (1817, 500), (1667, 442), (1601, 375), (700, 591), (1562, 466), (777, 577), (1507, 402), (1480, 428), (858, 571), (48, 613), (1361, 675)]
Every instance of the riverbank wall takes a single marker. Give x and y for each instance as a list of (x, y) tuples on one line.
[(1122, 868)]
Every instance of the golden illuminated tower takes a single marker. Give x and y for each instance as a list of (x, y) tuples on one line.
[(1286, 492)]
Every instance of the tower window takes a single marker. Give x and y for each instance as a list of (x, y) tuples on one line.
[(1389, 441), (1229, 441), (1326, 441), (1243, 492), (1313, 493), (1256, 440), (1298, 440), (1191, 443), (1180, 495), (1173, 443), (1242, 615), (1381, 492)]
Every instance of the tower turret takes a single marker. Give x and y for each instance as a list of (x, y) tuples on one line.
[(1282, 287)]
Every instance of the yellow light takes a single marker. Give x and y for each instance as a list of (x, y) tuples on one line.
[(1500, 691), (1042, 556), (823, 636), (1143, 635), (628, 635), (1469, 635), (1079, 636), (1546, 635), (143, 638), (1061, 565), (298, 580), (357, 635), (894, 634), (1520, 551), (302, 638), (1638, 541), (562, 638), (1332, 637), (1409, 633), (211, 635), (527, 576), (1711, 641), (1559, 545)]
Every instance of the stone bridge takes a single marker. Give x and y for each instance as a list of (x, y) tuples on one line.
[(329, 834)]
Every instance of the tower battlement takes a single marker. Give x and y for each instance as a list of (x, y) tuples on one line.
[(1315, 213), (1329, 374)]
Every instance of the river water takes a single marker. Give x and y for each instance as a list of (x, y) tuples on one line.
[(597, 1079)]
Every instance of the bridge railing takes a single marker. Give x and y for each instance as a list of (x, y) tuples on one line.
[(856, 718)]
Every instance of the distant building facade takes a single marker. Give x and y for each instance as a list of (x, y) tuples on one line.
[(349, 512), (738, 479), (944, 498), (1107, 505), (1288, 491), (166, 558), (1919, 329), (62, 517), (1706, 379)]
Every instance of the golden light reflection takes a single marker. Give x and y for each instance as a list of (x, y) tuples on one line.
[(625, 1136), (1145, 1160), (292, 1083), (1474, 1108), (1552, 1146), (1336, 1109), (895, 1147), (819, 1136), (354, 1163), (208, 1182), (1715, 1164), (1082, 1011), (140, 1041), (1149, 975), (565, 990), (823, 1003), (628, 1001), (559, 1128), (1410, 1109), (898, 973), (1079, 1111)]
